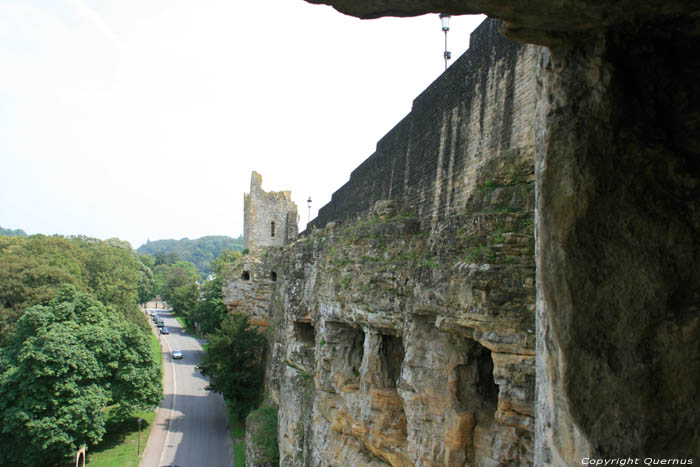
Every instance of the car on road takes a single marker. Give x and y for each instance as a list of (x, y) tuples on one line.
[(177, 355), (160, 323), (164, 330)]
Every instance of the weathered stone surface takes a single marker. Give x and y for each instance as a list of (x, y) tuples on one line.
[(537, 21), (386, 360), (396, 367), (255, 451), (270, 218), (614, 135), (270, 223), (476, 112), (406, 337), (618, 229), (619, 224)]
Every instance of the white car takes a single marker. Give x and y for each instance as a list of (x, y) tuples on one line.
[(177, 355)]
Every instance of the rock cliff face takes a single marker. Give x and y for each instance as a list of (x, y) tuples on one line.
[(384, 331), (618, 220), (402, 331), (407, 346), (393, 342)]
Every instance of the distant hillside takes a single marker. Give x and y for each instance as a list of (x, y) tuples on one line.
[(199, 251), (12, 233)]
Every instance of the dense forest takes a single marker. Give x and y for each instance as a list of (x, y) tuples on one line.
[(12, 233), (200, 251), (72, 343)]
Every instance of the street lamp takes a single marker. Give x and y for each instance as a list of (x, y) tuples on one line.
[(138, 446), (308, 202), (445, 20)]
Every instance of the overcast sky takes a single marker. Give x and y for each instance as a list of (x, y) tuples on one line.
[(143, 119)]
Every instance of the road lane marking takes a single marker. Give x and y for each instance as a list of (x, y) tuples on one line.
[(172, 406)]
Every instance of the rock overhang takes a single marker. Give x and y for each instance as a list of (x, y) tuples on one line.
[(534, 21)]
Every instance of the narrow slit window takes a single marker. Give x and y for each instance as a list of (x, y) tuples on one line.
[(272, 229)]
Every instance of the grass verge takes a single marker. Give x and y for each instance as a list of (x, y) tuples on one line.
[(238, 435), (120, 443), (190, 330)]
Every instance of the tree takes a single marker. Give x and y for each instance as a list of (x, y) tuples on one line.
[(33, 269), (224, 260), (169, 283), (210, 309), (183, 299), (233, 361), (65, 364), (148, 261)]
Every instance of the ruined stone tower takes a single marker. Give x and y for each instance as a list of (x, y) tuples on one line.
[(270, 222), (270, 219)]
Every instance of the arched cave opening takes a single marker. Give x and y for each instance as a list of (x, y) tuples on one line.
[(476, 388), (391, 354)]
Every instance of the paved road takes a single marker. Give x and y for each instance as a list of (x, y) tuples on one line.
[(191, 428)]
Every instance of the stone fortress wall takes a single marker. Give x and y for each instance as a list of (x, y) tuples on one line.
[(270, 222), (384, 330), (401, 329), (617, 220), (479, 109), (270, 218)]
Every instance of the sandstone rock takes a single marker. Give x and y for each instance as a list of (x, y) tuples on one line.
[(384, 208), (618, 285)]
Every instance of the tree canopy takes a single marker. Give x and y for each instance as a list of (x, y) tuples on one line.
[(33, 269), (66, 362), (210, 309), (233, 361), (12, 233), (200, 251)]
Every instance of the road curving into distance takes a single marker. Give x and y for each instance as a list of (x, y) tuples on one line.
[(191, 428)]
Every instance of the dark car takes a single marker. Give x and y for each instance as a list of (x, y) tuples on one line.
[(160, 323), (177, 355), (164, 330)]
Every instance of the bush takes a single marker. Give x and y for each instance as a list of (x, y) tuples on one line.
[(265, 420)]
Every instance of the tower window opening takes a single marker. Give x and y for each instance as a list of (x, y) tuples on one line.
[(272, 229), (245, 276)]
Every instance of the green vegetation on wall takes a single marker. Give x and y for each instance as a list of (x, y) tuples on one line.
[(265, 419)]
